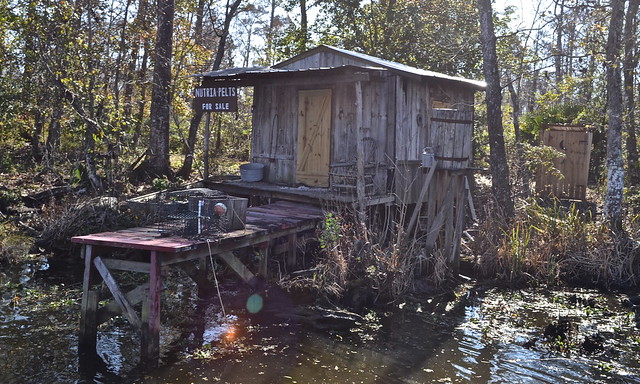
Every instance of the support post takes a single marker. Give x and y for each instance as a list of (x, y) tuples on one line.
[(360, 182), (118, 295), (423, 192), (292, 250), (88, 324), (207, 136), (150, 337), (264, 260)]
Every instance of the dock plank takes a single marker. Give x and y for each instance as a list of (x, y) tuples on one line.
[(261, 220)]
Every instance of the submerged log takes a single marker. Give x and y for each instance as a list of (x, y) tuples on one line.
[(324, 319)]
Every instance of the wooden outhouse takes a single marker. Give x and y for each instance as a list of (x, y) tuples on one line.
[(336, 125), (570, 179)]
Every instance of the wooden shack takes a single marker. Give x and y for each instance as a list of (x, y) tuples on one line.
[(335, 125)]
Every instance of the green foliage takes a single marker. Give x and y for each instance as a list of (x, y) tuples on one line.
[(534, 122), (160, 183), (437, 35), (331, 231)]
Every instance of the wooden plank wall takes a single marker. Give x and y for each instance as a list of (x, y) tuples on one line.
[(412, 119), (275, 129), (274, 134), (419, 125), (451, 137), (575, 143)]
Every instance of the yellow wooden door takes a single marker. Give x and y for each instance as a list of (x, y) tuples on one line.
[(314, 137)]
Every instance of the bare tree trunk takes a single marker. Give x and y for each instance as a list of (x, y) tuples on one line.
[(141, 18), (558, 48), (187, 165), (232, 11), (497, 154), (615, 170), (270, 33), (629, 65), (158, 160), (523, 172), (304, 27), (91, 122), (54, 133)]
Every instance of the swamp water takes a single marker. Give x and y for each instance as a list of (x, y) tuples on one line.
[(473, 335)]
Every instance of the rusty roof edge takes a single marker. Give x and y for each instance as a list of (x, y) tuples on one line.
[(239, 72)]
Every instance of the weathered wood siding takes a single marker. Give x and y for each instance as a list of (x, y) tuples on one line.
[(451, 137), (274, 135), (377, 126), (401, 116), (575, 143), (275, 130), (412, 119), (448, 129)]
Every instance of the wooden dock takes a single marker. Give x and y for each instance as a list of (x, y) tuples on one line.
[(102, 255)]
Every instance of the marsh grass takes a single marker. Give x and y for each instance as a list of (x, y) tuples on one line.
[(14, 244), (378, 255), (555, 243)]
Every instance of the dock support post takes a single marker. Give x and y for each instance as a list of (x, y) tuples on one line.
[(264, 259), (292, 250), (150, 335), (88, 324)]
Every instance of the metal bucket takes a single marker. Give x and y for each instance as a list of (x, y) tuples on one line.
[(428, 157), (252, 172)]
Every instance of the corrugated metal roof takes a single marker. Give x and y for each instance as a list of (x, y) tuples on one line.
[(253, 71), (369, 63), (393, 65), (230, 72)]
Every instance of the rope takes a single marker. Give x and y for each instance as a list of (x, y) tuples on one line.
[(215, 278)]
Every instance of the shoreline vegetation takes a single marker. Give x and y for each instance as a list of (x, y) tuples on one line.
[(549, 243)]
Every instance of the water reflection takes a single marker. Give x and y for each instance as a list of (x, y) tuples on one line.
[(489, 336)]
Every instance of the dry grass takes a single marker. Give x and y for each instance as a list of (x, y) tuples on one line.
[(381, 256), (555, 244), (73, 216)]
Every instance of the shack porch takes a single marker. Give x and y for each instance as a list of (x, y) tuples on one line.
[(300, 194)]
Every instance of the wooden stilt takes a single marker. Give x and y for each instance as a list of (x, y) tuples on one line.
[(423, 192), (150, 337), (264, 260), (438, 221), (112, 308), (454, 260), (449, 225), (237, 266), (292, 250), (472, 207), (88, 325)]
